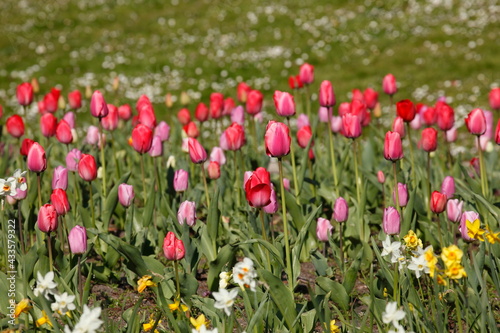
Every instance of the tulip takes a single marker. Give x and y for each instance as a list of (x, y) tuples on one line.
[(402, 195), (41, 107), (213, 170), (323, 229), (142, 138), (304, 135), (284, 103), (197, 153), (63, 132), (156, 147), (416, 123), (370, 97), (35, 85), (246, 177), (445, 116), (93, 136), (286, 184), (87, 168), (438, 202), (72, 159), (98, 106), (181, 179), (47, 218), (399, 126), (162, 130), (294, 82), (470, 216), (476, 122), (147, 116), (217, 155), (258, 188), (254, 102), (497, 133), (50, 103), (187, 213), (351, 126), (448, 186), (389, 85), (201, 112), (60, 201), (77, 240), (494, 98), (451, 135), (306, 73), (277, 139), (48, 125), (126, 194), (429, 139), (191, 130), (20, 194), (37, 162), (337, 125), (454, 210), (340, 210), (125, 112), (75, 99), (15, 126), (391, 222), (24, 94), (234, 137), (273, 206), (393, 148), (358, 108), (229, 105), (326, 94), (242, 91), (25, 146), (88, 91), (216, 105), (70, 118), (110, 122), (302, 120), (184, 116), (238, 115), (381, 177), (60, 178), (406, 110), (324, 114), (173, 248), (428, 115)]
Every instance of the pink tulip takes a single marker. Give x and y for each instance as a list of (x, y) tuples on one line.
[(197, 153), (110, 122), (24, 94), (63, 132), (448, 186), (187, 213), (393, 148), (380, 177), (323, 229), (277, 139), (398, 126), (77, 240), (213, 170), (162, 130), (454, 210), (173, 248), (476, 122), (340, 210), (238, 115), (156, 147), (273, 205), (324, 114), (470, 216), (402, 195), (445, 116), (302, 120), (326, 94), (93, 136), (351, 126), (47, 218), (391, 222), (60, 178), (126, 194), (72, 159), (429, 139), (37, 162), (125, 112), (284, 103), (306, 73), (389, 85), (254, 102), (337, 125), (217, 155), (142, 138), (234, 137), (181, 180), (98, 106), (75, 99), (70, 118), (371, 98)]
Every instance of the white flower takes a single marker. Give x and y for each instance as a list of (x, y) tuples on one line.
[(224, 278), (171, 162), (392, 314), (20, 179), (393, 249), (419, 264), (89, 321), (8, 186), (244, 274), (225, 299), (203, 329), (63, 303), (45, 284)]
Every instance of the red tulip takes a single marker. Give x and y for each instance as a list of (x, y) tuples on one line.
[(242, 91), (41, 107), (429, 139), (294, 82), (351, 126), (428, 114), (389, 85), (304, 135), (47, 218), (326, 94), (15, 126), (142, 138), (258, 188), (306, 73), (406, 110), (371, 98), (184, 116), (191, 130), (476, 122), (216, 105), (25, 146), (284, 103), (110, 122), (60, 201), (358, 108), (494, 98), (63, 132), (254, 102), (277, 139), (201, 112), (197, 153), (147, 116), (125, 112), (235, 137), (51, 100), (438, 202), (173, 248), (87, 168), (497, 133), (445, 116), (37, 162), (48, 125), (75, 99), (143, 103), (24, 94), (98, 106), (229, 105), (393, 148), (213, 170)]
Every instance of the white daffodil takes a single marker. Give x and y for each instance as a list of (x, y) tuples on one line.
[(203, 329), (244, 274), (89, 321), (20, 178), (392, 314), (63, 303), (45, 284), (8, 186), (419, 264), (224, 299), (224, 278), (391, 248)]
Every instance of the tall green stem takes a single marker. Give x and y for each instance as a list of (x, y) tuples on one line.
[(358, 188), (49, 245), (80, 286), (396, 186), (203, 175), (413, 178), (264, 236), (92, 204), (143, 178), (395, 296), (235, 177), (291, 281), (482, 170), (39, 185), (103, 160), (308, 100), (332, 155), (294, 168), (341, 243), (458, 311), (176, 268)]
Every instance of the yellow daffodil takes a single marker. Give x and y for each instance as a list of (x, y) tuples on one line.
[(145, 282), (412, 241), (474, 230), (334, 328), (441, 280), (198, 322), (431, 261), (491, 236), (43, 320), (455, 271), (22, 307), (451, 255), (177, 305), (149, 326)]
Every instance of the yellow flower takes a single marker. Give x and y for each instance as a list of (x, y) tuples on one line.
[(451, 255), (431, 261), (455, 271), (491, 236), (145, 282), (334, 328), (177, 305), (441, 280), (198, 322), (44, 320), (149, 326), (22, 306), (474, 230), (412, 241)]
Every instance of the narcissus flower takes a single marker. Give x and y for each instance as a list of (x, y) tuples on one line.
[(198, 322), (412, 242), (177, 306), (224, 299), (145, 282), (474, 229), (22, 307), (451, 255)]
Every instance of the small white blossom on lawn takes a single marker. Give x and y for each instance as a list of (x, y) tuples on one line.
[(225, 299), (89, 321), (244, 274), (45, 284), (63, 303)]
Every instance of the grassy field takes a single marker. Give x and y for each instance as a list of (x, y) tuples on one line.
[(433, 48)]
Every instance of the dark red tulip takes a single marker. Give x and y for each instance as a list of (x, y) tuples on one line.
[(406, 110)]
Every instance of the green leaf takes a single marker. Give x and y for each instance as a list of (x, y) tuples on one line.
[(352, 273), (338, 293), (112, 200), (308, 320), (270, 247), (147, 215), (226, 255), (213, 217), (294, 210)]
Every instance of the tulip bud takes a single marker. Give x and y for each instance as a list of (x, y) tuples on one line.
[(125, 112), (494, 98), (406, 110), (201, 112), (60, 178), (63, 132), (254, 102), (380, 177), (476, 122), (142, 138), (197, 153), (448, 186), (351, 126), (47, 218), (273, 206), (323, 229), (242, 91), (429, 139), (306, 73), (98, 106), (173, 248), (24, 94), (286, 184), (37, 162), (324, 114), (72, 159), (25, 146), (391, 222), (48, 125), (304, 135), (77, 240), (87, 168), (326, 94), (15, 126), (213, 170), (402, 195), (284, 103), (187, 213), (156, 147), (438, 202), (389, 85), (258, 188), (191, 130), (340, 210), (393, 148), (61, 103), (181, 180), (126, 194), (398, 126), (277, 139), (75, 99), (60, 201), (454, 210)]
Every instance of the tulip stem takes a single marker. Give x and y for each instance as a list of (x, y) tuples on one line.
[(92, 204), (285, 230), (413, 178), (103, 160), (358, 190), (332, 154), (143, 178), (458, 310), (395, 297), (235, 181), (341, 243), (80, 286), (396, 187), (264, 236), (313, 188), (308, 100), (49, 245), (39, 185), (21, 230), (294, 168), (176, 268), (439, 231), (203, 175), (482, 169)]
